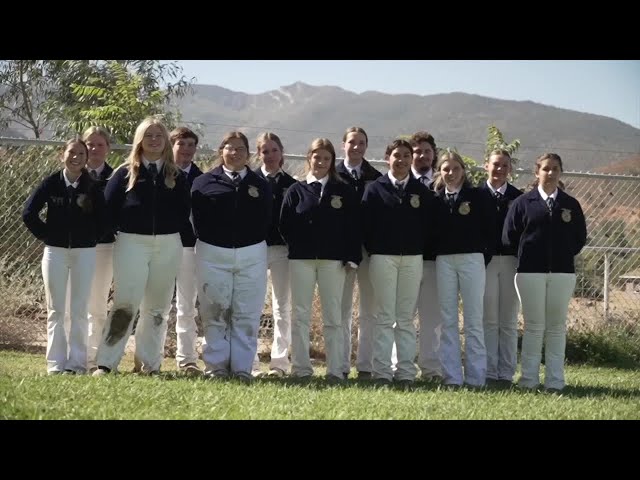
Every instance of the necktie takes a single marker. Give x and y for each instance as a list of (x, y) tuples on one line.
[(153, 171), (236, 178), (424, 180), (451, 200), (72, 191), (94, 174), (498, 196), (274, 179), (354, 174), (550, 204), (400, 188), (317, 188)]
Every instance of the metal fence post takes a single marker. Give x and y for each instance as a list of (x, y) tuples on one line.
[(606, 286)]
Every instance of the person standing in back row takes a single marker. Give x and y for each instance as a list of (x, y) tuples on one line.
[(98, 142), (270, 151), (500, 318), (357, 172), (184, 144), (424, 156), (548, 229)]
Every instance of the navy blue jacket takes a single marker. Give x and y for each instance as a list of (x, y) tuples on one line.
[(228, 216), (324, 228), (500, 208), (545, 243), (108, 236), (394, 224), (72, 222), (367, 175), (187, 235), (468, 227), (278, 188), (149, 208)]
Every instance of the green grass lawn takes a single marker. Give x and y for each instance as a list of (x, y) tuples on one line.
[(26, 392)]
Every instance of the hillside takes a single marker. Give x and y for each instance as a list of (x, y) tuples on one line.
[(301, 112)]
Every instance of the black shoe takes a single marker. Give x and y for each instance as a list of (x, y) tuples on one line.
[(364, 375)]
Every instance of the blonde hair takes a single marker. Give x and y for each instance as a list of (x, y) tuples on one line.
[(448, 156), (264, 138), (323, 144), (103, 132), (134, 160)]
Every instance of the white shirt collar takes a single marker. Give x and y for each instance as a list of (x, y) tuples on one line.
[(544, 196), (188, 169), (456, 192), (395, 181), (350, 169), (97, 170), (266, 174), (158, 163), (502, 189), (323, 181), (68, 182), (416, 174), (243, 172)]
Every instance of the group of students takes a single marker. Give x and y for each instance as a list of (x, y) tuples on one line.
[(415, 239)]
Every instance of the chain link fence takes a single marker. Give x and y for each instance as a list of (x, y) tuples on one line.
[(608, 269)]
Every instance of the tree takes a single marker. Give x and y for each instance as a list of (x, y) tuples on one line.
[(117, 95), (26, 86), (70, 95)]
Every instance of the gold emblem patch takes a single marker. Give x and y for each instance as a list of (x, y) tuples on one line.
[(566, 215), (415, 200), (465, 208), (336, 201), (253, 192)]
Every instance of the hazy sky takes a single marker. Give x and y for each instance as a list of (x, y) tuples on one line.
[(603, 87)]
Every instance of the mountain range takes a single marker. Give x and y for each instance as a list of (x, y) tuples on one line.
[(298, 113)]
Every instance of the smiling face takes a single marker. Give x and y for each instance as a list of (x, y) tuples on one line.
[(98, 150), (423, 156), (74, 158), (400, 161), (355, 146), (234, 154), (498, 167), (452, 173), (183, 151), (153, 143), (271, 155), (320, 162)]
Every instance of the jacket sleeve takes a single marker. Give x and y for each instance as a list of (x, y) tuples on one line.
[(354, 230), (114, 194), (581, 229), (513, 226), (286, 223), (31, 213)]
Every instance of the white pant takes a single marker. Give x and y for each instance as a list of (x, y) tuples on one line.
[(72, 267), (329, 275), (366, 316), (464, 273), (186, 294), (500, 319), (144, 272), (545, 302), (232, 284), (99, 299), (278, 264), (430, 322), (396, 284)]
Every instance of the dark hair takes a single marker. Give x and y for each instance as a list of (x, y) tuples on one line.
[(542, 158), (182, 132)]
